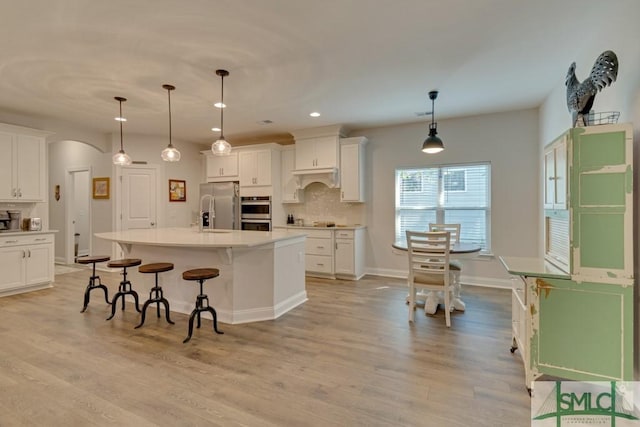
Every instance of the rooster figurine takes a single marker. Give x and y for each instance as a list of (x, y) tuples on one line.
[(580, 95)]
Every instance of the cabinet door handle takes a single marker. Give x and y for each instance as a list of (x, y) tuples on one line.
[(29, 251), (19, 192), (15, 193), (24, 254)]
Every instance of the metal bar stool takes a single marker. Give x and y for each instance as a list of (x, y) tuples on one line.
[(156, 295), (92, 280), (200, 275), (125, 284)]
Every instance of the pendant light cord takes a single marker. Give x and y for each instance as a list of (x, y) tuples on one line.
[(121, 145), (169, 94), (222, 108)]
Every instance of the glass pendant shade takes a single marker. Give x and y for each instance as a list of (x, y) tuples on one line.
[(221, 147), (171, 153), (432, 144), (121, 158)]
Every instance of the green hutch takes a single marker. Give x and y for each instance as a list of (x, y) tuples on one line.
[(573, 308)]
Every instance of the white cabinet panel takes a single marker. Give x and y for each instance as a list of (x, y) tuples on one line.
[(317, 153), (222, 168), (22, 165), (352, 175), (255, 168), (555, 173), (26, 262), (290, 191), (345, 263)]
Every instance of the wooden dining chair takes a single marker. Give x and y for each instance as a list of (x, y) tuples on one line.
[(455, 266), (428, 255)]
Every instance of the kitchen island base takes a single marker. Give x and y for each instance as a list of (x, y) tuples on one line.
[(256, 282)]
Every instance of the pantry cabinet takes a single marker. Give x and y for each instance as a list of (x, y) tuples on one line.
[(352, 174), (26, 262), (222, 168), (290, 191), (23, 164)]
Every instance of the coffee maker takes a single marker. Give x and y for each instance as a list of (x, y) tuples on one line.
[(4, 221), (14, 220)]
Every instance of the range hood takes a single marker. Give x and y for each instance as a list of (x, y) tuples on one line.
[(327, 176)]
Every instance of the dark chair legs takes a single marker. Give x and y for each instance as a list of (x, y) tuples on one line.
[(201, 307), (124, 289), (92, 281), (156, 296)]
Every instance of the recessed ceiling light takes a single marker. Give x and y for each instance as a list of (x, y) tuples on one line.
[(215, 129), (315, 114), (219, 105), (121, 119)]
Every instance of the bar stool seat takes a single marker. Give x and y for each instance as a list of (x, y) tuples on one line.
[(200, 275), (156, 295), (125, 284), (92, 280)]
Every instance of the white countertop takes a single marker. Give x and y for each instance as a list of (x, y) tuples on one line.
[(25, 233), (191, 237), (311, 227), (531, 266)]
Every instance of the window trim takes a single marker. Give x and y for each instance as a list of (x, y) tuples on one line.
[(439, 208)]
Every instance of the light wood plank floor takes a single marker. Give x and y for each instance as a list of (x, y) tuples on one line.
[(347, 357)]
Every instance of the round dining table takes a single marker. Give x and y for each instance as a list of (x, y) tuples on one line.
[(459, 251)]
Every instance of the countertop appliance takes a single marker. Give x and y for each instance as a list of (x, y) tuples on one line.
[(220, 205)]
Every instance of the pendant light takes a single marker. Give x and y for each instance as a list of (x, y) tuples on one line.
[(432, 144), (221, 147), (121, 158), (170, 154)]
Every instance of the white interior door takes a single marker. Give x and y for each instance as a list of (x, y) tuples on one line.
[(139, 197)]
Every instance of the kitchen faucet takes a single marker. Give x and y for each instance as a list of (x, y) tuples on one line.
[(211, 212)]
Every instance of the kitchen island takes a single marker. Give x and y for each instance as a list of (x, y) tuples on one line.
[(261, 273)]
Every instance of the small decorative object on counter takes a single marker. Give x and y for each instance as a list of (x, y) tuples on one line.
[(290, 219)]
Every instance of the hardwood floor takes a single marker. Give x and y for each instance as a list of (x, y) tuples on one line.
[(347, 357)]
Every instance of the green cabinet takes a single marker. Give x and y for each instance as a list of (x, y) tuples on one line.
[(582, 327)]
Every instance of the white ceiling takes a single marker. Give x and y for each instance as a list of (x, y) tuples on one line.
[(361, 63)]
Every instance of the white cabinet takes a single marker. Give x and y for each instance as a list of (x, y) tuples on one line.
[(222, 168), (317, 153), (319, 252), (555, 174), (352, 176), (255, 168), (290, 191), (26, 262), (349, 253), (22, 164)]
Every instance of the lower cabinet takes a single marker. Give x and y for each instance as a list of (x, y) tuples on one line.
[(319, 252), (26, 263), (349, 255)]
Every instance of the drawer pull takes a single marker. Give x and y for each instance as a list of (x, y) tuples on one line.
[(11, 241), (41, 239), (320, 247)]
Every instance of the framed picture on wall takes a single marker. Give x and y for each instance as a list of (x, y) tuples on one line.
[(101, 188), (177, 190)]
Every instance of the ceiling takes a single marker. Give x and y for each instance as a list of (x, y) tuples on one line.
[(360, 63)]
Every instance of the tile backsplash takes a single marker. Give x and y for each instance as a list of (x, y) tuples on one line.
[(322, 203)]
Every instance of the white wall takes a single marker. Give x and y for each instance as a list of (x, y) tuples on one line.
[(509, 141)]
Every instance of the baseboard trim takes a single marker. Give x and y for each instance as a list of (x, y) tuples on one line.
[(488, 282)]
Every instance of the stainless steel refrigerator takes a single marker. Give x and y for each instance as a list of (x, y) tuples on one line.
[(220, 205)]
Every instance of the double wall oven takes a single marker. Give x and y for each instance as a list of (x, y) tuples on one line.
[(255, 213)]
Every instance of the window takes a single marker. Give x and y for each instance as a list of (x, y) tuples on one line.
[(446, 194)]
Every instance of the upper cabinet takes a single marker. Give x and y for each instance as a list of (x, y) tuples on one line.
[(352, 176), (555, 174), (290, 191), (222, 168), (255, 168), (23, 164), (317, 153)]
